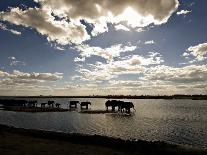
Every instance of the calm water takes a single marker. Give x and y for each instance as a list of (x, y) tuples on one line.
[(175, 121)]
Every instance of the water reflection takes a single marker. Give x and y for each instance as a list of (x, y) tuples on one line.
[(175, 121)]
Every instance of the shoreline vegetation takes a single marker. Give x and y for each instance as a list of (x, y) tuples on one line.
[(193, 97), (30, 141)]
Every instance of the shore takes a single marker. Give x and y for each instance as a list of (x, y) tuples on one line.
[(33, 109), (28, 141)]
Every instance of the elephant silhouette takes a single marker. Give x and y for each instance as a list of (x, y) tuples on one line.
[(126, 106), (57, 105), (85, 104), (51, 104), (32, 103), (43, 105), (122, 106), (113, 104), (73, 104)]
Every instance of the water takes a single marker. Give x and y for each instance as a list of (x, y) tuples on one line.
[(175, 121)]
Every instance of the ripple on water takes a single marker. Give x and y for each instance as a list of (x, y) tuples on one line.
[(174, 121)]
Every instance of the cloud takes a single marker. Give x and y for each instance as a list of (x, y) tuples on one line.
[(77, 59), (183, 12), (18, 75), (22, 83), (199, 51), (126, 83), (149, 42), (106, 53), (15, 62), (12, 58), (38, 76), (134, 64), (121, 27), (59, 31), (59, 48), (4, 27), (188, 74), (3, 74), (60, 20), (157, 10), (155, 80)]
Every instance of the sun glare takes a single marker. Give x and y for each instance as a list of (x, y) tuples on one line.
[(133, 18)]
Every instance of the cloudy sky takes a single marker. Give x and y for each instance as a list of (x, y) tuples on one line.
[(103, 47)]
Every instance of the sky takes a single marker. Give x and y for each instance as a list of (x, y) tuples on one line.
[(103, 47)]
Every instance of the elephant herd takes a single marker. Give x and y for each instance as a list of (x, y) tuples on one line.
[(114, 105), (28, 104), (74, 104), (120, 105), (123, 107), (51, 104)]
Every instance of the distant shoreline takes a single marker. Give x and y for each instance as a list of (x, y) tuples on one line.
[(104, 144), (192, 97)]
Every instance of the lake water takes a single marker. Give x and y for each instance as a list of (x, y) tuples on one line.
[(175, 121)]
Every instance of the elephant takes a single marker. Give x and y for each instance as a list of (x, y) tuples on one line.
[(126, 106), (113, 104), (73, 104), (32, 103), (43, 105), (122, 106), (57, 105), (51, 103), (85, 104)]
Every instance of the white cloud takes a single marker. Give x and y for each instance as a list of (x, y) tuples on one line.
[(149, 42), (77, 59), (130, 65), (126, 83), (38, 76), (199, 51), (4, 27), (121, 27), (187, 74), (135, 13), (32, 76), (61, 31), (157, 10), (3, 74), (140, 29), (107, 53), (59, 48), (12, 58), (183, 12), (22, 83), (15, 62)]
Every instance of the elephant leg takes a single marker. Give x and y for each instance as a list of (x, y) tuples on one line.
[(128, 110), (113, 108)]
